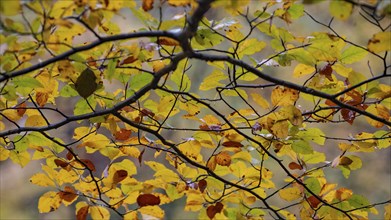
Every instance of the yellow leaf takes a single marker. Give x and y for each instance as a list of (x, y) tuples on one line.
[(212, 80), (21, 158), (282, 96), (130, 216), (248, 47), (290, 194), (260, 100), (11, 114), (341, 69), (194, 202), (179, 2), (380, 42), (191, 149), (302, 70), (48, 202), (35, 121), (130, 151), (340, 9), (4, 153), (10, 8), (387, 211), (126, 165), (41, 179), (154, 211), (380, 111), (99, 212)]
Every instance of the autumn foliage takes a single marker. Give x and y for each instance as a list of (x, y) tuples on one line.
[(225, 109)]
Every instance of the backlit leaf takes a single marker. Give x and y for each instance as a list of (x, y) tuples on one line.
[(99, 212), (290, 194), (49, 202), (212, 80), (340, 9), (380, 42), (353, 54), (41, 179), (302, 70)]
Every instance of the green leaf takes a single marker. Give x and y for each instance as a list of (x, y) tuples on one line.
[(68, 91), (315, 157), (302, 147), (313, 184), (26, 81), (353, 54), (140, 80), (312, 134), (111, 66), (358, 201), (296, 11)]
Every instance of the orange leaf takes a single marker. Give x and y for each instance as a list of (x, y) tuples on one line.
[(147, 5), (167, 41), (122, 134), (223, 159), (21, 109), (41, 98), (148, 199), (211, 163), (295, 166)]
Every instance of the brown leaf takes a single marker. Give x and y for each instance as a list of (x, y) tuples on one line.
[(20, 109), (88, 163), (146, 112), (119, 175), (147, 5), (213, 209), (345, 161), (232, 144), (202, 185), (223, 159), (68, 194), (129, 59), (82, 213), (148, 199), (140, 157), (60, 163), (348, 115), (295, 166), (313, 201), (327, 71), (69, 155), (122, 134)]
